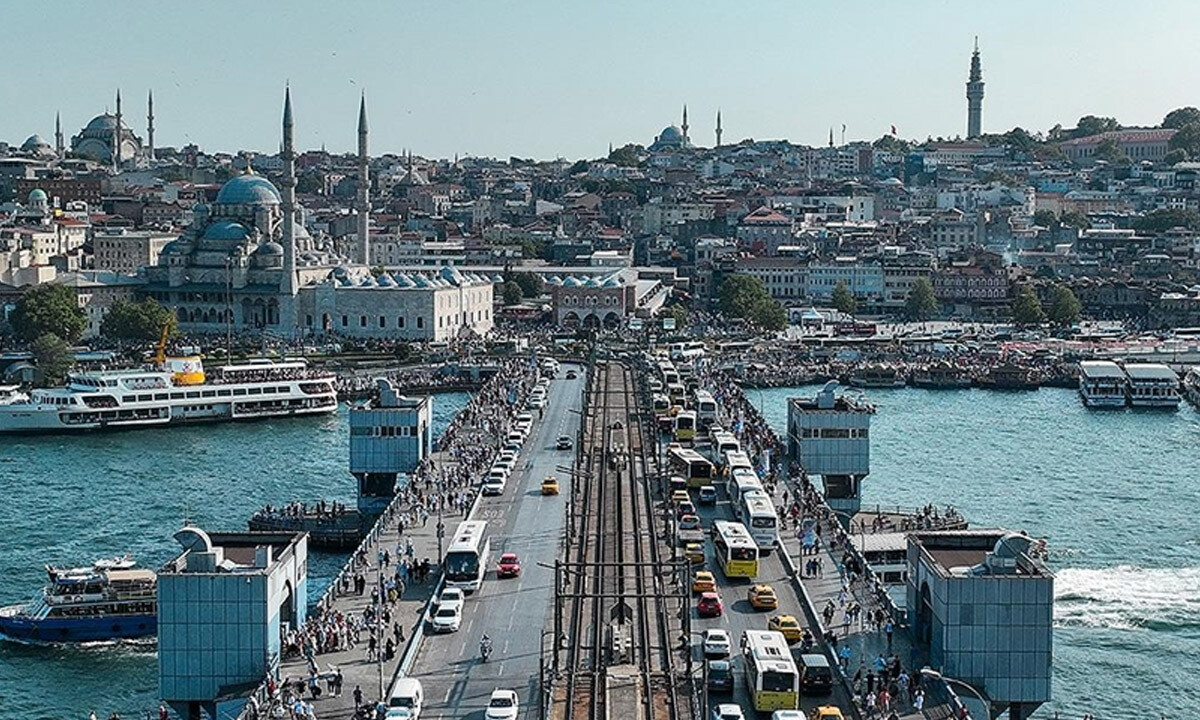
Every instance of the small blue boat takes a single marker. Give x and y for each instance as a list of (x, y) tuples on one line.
[(111, 600)]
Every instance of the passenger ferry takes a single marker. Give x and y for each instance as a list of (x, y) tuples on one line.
[(1152, 385), (877, 376), (177, 392), (1009, 376), (111, 600), (941, 376), (1102, 384)]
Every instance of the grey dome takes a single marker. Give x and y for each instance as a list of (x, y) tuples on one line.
[(270, 248), (226, 230), (248, 189)]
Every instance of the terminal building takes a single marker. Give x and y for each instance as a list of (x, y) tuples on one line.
[(225, 606), (389, 437), (829, 436), (981, 609)]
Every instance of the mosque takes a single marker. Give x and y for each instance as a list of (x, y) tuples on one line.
[(247, 262), (673, 137), (108, 139)]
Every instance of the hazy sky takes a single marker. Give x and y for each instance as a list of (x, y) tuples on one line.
[(564, 78)]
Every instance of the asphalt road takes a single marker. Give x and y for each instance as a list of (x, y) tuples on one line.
[(513, 611)]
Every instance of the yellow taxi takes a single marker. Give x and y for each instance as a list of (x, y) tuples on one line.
[(694, 552), (827, 712), (680, 496), (788, 625), (550, 485), (704, 581), (762, 597)]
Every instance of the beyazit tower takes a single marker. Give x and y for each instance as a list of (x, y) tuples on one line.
[(975, 96)]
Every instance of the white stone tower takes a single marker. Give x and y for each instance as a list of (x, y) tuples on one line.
[(364, 187), (287, 286), (975, 96)]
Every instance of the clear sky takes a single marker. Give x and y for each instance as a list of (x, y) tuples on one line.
[(550, 78)]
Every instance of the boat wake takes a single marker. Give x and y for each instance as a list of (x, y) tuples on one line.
[(149, 644), (1127, 597)]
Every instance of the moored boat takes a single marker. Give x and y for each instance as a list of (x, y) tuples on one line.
[(1009, 376), (111, 600), (1152, 385), (1101, 384), (877, 376), (940, 376)]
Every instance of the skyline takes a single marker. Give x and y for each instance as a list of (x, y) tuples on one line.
[(544, 81)]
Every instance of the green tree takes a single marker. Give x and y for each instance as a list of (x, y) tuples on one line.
[(746, 297), (531, 284), (921, 302), (892, 144), (1175, 156), (1179, 117), (1163, 220), (843, 299), (1045, 218), (1019, 139), (141, 321), (680, 313), (627, 156), (48, 309), (770, 316), (580, 166), (53, 356), (511, 293), (1075, 219), (1091, 125), (1064, 306), (1026, 308), (1187, 139), (1110, 152)]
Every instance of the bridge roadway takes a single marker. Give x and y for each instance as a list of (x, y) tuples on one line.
[(514, 611)]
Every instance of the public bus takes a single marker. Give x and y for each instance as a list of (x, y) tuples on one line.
[(735, 550), (687, 350), (706, 409), (771, 676), (757, 512), (742, 481), (664, 413), (685, 426), (691, 465), (669, 374), (467, 557), (737, 460), (678, 394), (724, 442)]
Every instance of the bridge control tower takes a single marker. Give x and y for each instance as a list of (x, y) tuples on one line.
[(389, 437), (829, 436)]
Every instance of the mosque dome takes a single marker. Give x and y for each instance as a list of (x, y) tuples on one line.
[(270, 248), (497, 278), (37, 195), (226, 230), (451, 275), (671, 134), (612, 282), (571, 281), (35, 144), (403, 280), (386, 280), (101, 124), (175, 247), (248, 189)]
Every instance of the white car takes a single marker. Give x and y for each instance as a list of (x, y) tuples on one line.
[(508, 463), (525, 419), (716, 643), (447, 618), (451, 597), (494, 486), (728, 711), (503, 705)]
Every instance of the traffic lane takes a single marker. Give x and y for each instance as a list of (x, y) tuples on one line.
[(511, 611), (740, 616)]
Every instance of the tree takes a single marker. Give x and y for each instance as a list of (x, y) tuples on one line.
[(531, 284), (1091, 125), (1109, 151), (48, 309), (1175, 156), (511, 292), (746, 297), (1179, 117), (53, 357), (140, 321), (921, 303), (843, 299), (1163, 220), (680, 314), (627, 156), (1064, 306), (892, 144), (1187, 139), (580, 166), (1027, 309), (1075, 219), (771, 316), (1019, 139), (1044, 218)]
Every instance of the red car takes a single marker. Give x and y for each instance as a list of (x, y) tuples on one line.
[(510, 566), (709, 605)]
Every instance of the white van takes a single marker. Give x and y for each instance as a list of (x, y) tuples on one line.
[(406, 699)]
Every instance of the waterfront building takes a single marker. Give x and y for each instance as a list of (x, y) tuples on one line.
[(605, 301), (829, 436), (126, 251), (389, 437), (225, 607), (863, 278), (981, 608)]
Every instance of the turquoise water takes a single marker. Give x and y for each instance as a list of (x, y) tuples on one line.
[(1115, 493), (70, 500)]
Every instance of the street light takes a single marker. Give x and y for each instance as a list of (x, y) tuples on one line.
[(935, 675)]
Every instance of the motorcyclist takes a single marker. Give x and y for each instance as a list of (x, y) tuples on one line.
[(485, 646)]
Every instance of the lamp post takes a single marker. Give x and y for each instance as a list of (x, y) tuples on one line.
[(935, 675)]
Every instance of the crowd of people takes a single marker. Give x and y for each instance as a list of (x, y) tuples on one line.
[(441, 488)]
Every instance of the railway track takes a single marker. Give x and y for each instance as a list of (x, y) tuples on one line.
[(620, 661)]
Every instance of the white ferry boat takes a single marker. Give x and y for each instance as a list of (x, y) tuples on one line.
[(1152, 385), (1102, 384), (177, 392)]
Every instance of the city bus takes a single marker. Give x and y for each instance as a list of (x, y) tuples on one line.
[(664, 413), (742, 481), (687, 350), (685, 426), (706, 409), (771, 676), (724, 442), (678, 394), (757, 512), (735, 550), (467, 557), (691, 465), (669, 374), (737, 460)]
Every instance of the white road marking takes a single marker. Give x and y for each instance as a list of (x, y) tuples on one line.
[(448, 691)]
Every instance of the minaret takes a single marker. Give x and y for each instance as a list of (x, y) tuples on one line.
[(975, 96), (718, 128), (150, 125), (831, 136), (684, 127), (287, 287), (364, 186), (116, 152), (58, 136)]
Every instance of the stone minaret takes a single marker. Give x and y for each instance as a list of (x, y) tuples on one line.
[(150, 125), (975, 96), (718, 128), (59, 148), (684, 126), (364, 187), (116, 149), (287, 287)]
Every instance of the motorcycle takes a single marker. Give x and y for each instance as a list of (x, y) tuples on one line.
[(485, 649)]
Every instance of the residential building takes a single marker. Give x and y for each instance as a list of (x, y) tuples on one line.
[(121, 250)]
